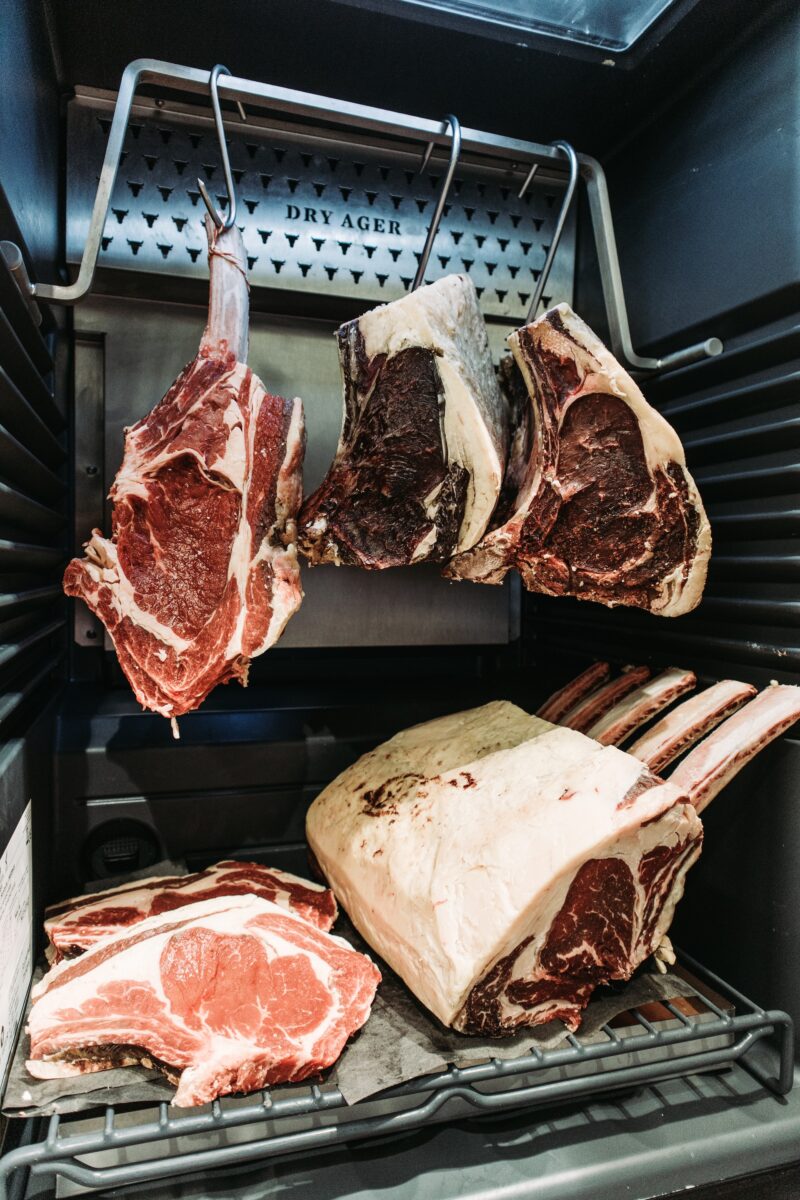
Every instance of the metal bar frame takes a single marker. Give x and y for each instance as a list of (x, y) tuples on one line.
[(59, 1155), (328, 112)]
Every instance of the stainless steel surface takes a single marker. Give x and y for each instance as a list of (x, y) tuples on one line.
[(541, 1078), (227, 218), (90, 485), (566, 202), (16, 265), (319, 220), (454, 126), (144, 346), (376, 121)]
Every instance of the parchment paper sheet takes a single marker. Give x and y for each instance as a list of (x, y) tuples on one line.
[(400, 1042)]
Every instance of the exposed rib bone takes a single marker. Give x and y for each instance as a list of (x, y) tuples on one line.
[(641, 705), (690, 721), (597, 704), (567, 697), (713, 763)]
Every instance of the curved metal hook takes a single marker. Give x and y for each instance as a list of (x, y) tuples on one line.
[(455, 149), (221, 220), (559, 229)]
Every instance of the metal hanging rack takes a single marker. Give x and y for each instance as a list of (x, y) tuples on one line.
[(454, 125), (515, 153)]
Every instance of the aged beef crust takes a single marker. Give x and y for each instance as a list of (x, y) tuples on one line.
[(607, 510), (422, 451), (374, 498)]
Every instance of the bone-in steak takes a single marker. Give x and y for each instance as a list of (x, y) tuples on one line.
[(75, 925), (201, 573), (421, 455), (228, 995), (607, 510)]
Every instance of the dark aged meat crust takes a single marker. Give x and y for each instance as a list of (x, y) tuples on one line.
[(373, 499), (600, 520)]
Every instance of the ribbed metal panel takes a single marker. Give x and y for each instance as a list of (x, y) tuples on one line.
[(32, 493), (738, 419)]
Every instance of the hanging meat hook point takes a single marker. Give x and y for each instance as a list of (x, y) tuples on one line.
[(226, 220), (455, 149), (559, 229)]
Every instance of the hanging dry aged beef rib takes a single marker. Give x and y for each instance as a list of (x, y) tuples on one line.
[(421, 454), (76, 925), (228, 995), (201, 574), (607, 510), (505, 867)]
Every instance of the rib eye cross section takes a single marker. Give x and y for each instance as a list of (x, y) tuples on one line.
[(607, 510), (422, 449), (226, 995)]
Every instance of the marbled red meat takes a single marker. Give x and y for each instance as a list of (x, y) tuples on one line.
[(225, 995), (74, 925), (607, 510), (201, 574)]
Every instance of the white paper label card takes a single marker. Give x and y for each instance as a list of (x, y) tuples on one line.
[(16, 916)]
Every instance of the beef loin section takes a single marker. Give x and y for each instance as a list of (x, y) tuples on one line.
[(226, 995), (505, 867), (421, 454), (201, 573), (607, 510), (75, 925)]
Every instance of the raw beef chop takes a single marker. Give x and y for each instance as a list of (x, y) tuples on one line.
[(607, 510), (228, 995), (77, 924), (505, 867), (422, 450), (201, 573)]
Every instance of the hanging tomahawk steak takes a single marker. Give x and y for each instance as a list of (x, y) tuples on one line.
[(226, 995), (422, 450), (607, 510), (201, 574)]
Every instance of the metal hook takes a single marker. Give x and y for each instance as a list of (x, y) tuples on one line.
[(226, 220), (455, 149), (559, 229)]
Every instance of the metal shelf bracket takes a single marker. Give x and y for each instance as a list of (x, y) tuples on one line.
[(517, 154)]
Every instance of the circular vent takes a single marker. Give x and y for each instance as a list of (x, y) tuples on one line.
[(118, 848)]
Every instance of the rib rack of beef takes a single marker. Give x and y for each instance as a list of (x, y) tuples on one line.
[(201, 574), (422, 450), (226, 995), (505, 867), (75, 925), (607, 510)]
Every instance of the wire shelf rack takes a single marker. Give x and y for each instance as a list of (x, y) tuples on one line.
[(137, 1146)]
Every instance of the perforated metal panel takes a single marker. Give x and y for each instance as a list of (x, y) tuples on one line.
[(319, 218)]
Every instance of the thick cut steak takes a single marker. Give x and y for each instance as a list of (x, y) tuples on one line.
[(607, 510), (77, 924), (422, 450), (505, 867), (201, 574), (229, 995)]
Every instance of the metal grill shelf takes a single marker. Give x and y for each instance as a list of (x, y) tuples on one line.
[(311, 1118)]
